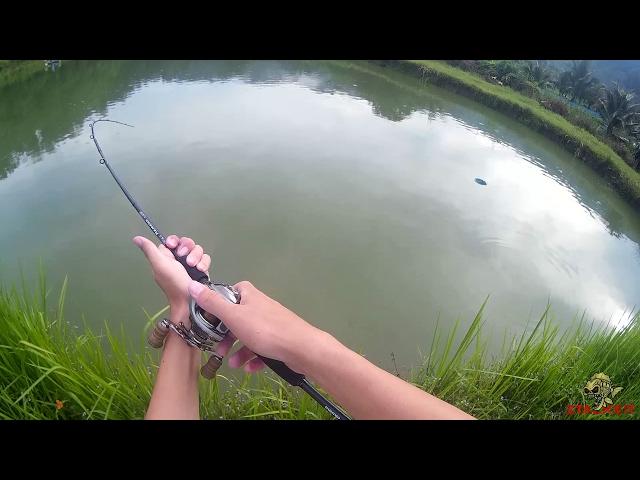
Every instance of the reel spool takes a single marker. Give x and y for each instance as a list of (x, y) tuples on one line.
[(206, 330)]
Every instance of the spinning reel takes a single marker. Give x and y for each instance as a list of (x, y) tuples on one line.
[(206, 329)]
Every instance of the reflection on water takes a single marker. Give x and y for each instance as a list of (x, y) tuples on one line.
[(344, 189)]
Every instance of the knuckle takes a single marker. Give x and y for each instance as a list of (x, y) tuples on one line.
[(207, 294), (203, 263)]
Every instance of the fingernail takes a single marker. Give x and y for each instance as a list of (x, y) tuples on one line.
[(137, 241), (182, 251), (195, 288)]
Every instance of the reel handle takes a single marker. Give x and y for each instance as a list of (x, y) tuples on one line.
[(193, 272), (158, 334), (210, 368)]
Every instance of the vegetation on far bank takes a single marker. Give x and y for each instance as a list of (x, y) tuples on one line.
[(51, 369), (529, 111), (18, 70), (609, 113)]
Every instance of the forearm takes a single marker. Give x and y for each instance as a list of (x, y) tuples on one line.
[(365, 390), (175, 393)]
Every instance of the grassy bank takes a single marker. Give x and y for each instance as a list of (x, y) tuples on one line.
[(44, 359), (528, 111), (18, 70)]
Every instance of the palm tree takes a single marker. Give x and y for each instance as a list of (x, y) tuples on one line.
[(538, 73), (506, 70), (618, 114), (564, 83), (577, 82)]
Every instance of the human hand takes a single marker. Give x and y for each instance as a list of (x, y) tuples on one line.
[(263, 325), (170, 275)]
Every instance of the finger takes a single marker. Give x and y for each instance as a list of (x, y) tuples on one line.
[(172, 241), (148, 248), (241, 357), (225, 345), (165, 251), (254, 365), (204, 263), (213, 303), (244, 288), (195, 255), (185, 246)]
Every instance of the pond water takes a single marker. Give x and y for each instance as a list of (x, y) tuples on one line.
[(345, 190)]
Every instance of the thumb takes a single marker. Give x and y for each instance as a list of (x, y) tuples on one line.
[(212, 302), (148, 248)]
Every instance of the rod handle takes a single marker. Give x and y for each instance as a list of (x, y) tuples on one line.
[(284, 372), (193, 272)]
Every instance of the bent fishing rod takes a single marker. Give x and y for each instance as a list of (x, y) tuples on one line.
[(207, 330)]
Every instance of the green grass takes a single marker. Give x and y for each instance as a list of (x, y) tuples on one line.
[(528, 111), (537, 374), (12, 71), (44, 358)]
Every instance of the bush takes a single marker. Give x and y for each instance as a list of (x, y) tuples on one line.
[(556, 106), (580, 118), (505, 68), (466, 65), (520, 84), (585, 121), (623, 149), (487, 69), (577, 116)]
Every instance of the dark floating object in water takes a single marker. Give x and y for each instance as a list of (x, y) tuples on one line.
[(480, 181)]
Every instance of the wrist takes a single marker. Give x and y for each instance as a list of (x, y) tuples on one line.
[(179, 312), (310, 356), (174, 344)]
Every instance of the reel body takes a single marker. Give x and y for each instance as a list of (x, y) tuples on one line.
[(206, 330)]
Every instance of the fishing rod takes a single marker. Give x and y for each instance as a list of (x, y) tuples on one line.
[(207, 330)]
